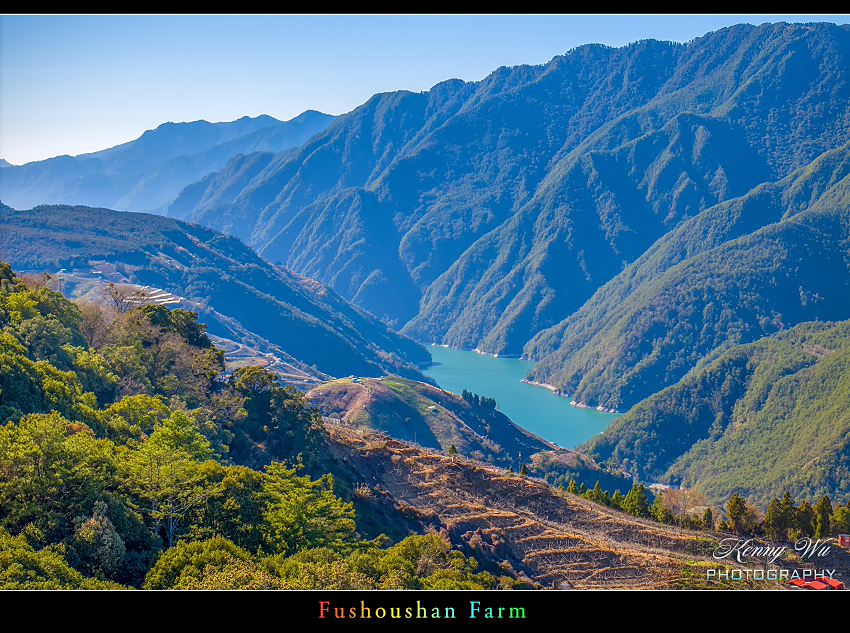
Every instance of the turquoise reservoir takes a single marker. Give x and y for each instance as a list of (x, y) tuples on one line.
[(530, 406)]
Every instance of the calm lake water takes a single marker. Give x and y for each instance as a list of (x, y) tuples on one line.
[(530, 406)]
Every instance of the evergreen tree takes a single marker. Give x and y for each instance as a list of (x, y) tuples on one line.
[(789, 514), (805, 519), (841, 520), (708, 519), (823, 511), (736, 509), (301, 513), (660, 511), (636, 502), (774, 520), (617, 499)]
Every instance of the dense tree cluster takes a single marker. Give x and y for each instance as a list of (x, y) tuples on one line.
[(127, 460), (687, 508), (474, 398)]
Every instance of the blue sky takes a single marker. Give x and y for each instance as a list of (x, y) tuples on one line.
[(71, 84)]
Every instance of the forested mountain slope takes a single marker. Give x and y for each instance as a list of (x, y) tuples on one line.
[(128, 461), (478, 214), (765, 417), (146, 173), (742, 269), (299, 315)]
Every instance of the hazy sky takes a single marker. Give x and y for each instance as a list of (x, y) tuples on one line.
[(71, 84)]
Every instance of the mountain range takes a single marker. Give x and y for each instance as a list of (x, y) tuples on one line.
[(148, 172), (479, 214), (742, 269), (631, 218), (623, 216)]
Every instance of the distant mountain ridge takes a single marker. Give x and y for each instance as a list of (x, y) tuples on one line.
[(146, 173)]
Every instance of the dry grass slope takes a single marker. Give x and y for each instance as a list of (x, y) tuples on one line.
[(548, 536)]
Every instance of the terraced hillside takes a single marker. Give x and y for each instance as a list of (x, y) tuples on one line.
[(549, 537)]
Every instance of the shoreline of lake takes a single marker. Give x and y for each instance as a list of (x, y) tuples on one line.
[(547, 414), (554, 389)]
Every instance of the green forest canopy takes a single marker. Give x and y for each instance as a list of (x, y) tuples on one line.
[(127, 461)]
